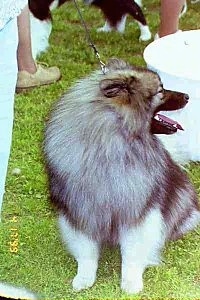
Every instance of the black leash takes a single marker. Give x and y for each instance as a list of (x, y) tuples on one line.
[(88, 37)]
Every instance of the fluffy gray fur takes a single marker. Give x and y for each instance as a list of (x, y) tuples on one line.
[(107, 172)]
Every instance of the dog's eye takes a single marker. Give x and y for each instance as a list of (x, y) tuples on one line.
[(160, 89), (160, 93)]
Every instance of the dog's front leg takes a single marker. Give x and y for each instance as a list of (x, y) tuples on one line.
[(85, 251), (140, 247), (145, 33), (119, 26), (131, 281), (106, 28)]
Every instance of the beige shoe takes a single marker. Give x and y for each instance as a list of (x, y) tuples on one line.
[(42, 76)]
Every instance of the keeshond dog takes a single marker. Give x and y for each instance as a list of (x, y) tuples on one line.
[(111, 178)]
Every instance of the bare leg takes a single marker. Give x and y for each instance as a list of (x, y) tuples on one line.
[(85, 251), (24, 52), (140, 247), (169, 16)]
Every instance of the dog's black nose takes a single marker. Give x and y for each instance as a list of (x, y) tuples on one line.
[(186, 97)]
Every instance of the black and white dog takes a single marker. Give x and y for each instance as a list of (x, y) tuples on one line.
[(116, 12), (41, 24)]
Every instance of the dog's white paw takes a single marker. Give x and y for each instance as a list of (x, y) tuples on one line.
[(145, 37), (104, 29), (145, 33), (80, 283), (132, 286)]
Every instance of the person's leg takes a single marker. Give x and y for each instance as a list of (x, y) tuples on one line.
[(30, 74), (169, 16), (24, 52), (8, 77)]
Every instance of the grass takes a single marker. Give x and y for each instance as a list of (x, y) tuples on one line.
[(41, 263)]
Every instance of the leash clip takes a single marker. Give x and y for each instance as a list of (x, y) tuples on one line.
[(102, 65)]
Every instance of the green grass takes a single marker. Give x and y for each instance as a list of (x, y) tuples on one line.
[(41, 262)]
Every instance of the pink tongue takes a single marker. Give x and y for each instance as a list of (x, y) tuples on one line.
[(165, 119)]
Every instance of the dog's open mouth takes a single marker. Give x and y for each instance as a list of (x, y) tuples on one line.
[(165, 121), (173, 101)]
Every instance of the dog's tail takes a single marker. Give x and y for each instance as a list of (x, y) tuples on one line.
[(11, 292)]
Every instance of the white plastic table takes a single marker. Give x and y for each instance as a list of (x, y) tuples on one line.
[(176, 58)]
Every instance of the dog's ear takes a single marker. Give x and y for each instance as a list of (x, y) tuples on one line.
[(113, 87)]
